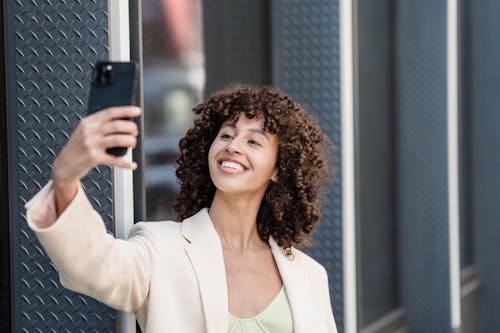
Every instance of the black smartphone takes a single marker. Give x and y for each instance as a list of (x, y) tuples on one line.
[(113, 84)]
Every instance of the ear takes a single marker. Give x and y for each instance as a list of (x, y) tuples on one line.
[(274, 177)]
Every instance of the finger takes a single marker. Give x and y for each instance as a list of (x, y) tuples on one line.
[(119, 126), (118, 140), (114, 161), (116, 112)]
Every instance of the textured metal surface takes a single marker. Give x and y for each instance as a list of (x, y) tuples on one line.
[(306, 65), (422, 164), (482, 87), (236, 42), (51, 46)]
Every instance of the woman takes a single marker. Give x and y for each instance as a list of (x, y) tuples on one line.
[(249, 172)]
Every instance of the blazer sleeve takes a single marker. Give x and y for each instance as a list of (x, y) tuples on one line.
[(89, 260)]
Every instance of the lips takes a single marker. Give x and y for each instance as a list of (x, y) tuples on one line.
[(231, 165)]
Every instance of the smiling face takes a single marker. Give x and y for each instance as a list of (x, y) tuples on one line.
[(242, 157)]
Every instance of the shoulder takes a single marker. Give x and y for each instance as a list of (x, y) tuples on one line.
[(156, 227), (309, 263), (161, 235), (168, 238), (315, 272), (300, 259), (166, 230)]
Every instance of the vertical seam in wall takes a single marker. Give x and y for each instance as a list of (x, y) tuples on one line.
[(393, 147), (348, 163), (135, 18), (453, 160)]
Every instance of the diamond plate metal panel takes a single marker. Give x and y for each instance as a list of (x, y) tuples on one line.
[(422, 163), (305, 46), (51, 45)]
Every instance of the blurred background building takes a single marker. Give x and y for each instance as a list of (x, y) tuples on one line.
[(408, 91)]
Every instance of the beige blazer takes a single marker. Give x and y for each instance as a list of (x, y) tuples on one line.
[(171, 275)]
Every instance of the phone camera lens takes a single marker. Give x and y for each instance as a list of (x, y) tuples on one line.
[(107, 74), (103, 74)]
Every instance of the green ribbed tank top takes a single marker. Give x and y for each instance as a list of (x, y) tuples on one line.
[(275, 318)]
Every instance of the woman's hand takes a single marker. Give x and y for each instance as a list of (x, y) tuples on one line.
[(87, 146)]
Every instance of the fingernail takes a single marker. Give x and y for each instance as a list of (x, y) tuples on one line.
[(133, 165), (137, 109)]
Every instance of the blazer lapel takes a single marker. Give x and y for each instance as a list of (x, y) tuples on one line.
[(297, 288), (205, 253)]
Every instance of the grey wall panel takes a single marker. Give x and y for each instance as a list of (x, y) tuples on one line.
[(377, 239), (305, 47), (50, 48), (482, 82), (236, 37), (422, 163)]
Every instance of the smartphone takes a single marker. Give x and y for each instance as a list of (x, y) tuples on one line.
[(113, 84)]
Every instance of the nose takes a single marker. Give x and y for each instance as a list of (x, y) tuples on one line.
[(233, 146)]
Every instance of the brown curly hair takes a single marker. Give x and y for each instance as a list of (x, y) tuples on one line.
[(290, 208)]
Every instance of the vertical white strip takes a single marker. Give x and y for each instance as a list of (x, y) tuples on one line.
[(453, 160), (119, 30), (348, 163), (123, 191)]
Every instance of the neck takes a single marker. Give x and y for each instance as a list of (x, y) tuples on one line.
[(235, 220)]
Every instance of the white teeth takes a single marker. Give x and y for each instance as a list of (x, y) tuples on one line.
[(232, 165)]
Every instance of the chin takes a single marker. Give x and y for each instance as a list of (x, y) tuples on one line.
[(229, 189), (238, 190)]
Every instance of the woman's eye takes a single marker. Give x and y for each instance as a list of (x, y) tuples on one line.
[(225, 136), (253, 142)]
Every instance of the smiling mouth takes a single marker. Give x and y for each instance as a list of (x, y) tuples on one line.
[(232, 165)]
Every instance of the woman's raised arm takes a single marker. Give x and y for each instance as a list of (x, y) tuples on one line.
[(86, 148)]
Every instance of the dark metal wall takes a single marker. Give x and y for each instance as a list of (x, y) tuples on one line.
[(236, 43), (50, 47), (305, 48), (482, 85), (377, 265), (422, 163)]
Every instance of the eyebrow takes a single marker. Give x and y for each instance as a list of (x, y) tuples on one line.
[(253, 130)]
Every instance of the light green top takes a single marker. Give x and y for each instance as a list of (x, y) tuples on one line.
[(275, 318)]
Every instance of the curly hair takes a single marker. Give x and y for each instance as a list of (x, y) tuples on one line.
[(290, 208)]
